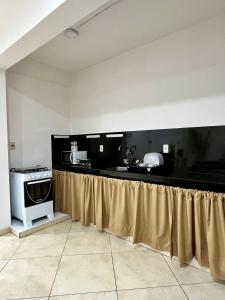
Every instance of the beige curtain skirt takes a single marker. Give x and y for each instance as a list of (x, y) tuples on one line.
[(187, 223)]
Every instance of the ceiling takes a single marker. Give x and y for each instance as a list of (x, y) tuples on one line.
[(125, 25), (26, 13)]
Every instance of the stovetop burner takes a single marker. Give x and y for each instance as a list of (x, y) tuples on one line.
[(32, 169)]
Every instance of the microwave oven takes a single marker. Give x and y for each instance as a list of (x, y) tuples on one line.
[(73, 157)]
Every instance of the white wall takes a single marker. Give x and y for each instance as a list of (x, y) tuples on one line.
[(21, 38), (177, 81), (27, 12), (38, 107), (4, 168)]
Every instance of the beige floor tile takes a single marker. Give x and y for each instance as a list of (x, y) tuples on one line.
[(90, 296), (195, 264), (77, 226), (3, 262), (84, 273), (123, 237), (187, 274), (140, 269), (41, 245), (8, 245), (87, 242), (23, 278), (9, 234), (165, 293), (155, 250), (61, 227), (205, 291), (118, 244)]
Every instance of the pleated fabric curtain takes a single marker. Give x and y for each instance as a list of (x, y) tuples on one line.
[(187, 223)]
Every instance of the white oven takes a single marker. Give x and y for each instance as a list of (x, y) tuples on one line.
[(31, 194)]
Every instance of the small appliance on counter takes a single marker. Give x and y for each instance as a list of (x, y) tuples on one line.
[(153, 163), (152, 160), (73, 157), (31, 194)]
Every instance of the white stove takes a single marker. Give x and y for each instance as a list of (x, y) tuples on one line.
[(31, 194)]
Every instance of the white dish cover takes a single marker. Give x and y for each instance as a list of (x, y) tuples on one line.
[(153, 159)]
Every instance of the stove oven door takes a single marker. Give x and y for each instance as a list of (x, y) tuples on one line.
[(37, 192)]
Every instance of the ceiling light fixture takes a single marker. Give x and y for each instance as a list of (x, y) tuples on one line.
[(71, 33)]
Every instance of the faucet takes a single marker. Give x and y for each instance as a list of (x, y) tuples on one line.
[(129, 150)]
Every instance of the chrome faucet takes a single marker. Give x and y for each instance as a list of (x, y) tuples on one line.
[(128, 152)]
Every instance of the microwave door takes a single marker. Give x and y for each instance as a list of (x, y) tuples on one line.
[(66, 157), (71, 157)]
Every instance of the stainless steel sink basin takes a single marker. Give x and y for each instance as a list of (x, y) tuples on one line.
[(120, 169)]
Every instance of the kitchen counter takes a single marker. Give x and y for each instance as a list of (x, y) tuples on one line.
[(183, 178)]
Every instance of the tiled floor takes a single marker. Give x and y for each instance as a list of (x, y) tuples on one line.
[(69, 261)]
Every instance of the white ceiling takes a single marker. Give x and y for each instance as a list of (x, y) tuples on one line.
[(126, 25), (26, 14)]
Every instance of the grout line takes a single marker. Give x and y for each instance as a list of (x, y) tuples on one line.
[(59, 261), (34, 235), (11, 257), (77, 254), (138, 244), (93, 253), (108, 252), (114, 273), (34, 257), (102, 253), (75, 294), (148, 287), (175, 277), (195, 267), (99, 292), (7, 261), (28, 298), (155, 251), (203, 282)]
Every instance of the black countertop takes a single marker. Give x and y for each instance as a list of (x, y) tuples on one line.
[(184, 178)]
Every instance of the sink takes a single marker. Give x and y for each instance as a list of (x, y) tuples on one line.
[(120, 169)]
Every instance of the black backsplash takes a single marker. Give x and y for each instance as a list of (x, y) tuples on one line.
[(199, 149)]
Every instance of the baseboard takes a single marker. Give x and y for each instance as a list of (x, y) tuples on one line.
[(5, 230)]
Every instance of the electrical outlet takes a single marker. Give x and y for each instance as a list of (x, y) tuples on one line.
[(101, 148), (12, 146), (166, 148)]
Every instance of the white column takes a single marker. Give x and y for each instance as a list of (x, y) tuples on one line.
[(5, 219)]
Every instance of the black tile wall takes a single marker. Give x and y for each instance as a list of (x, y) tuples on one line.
[(200, 149)]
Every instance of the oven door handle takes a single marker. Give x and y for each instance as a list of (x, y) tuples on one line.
[(39, 181)]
